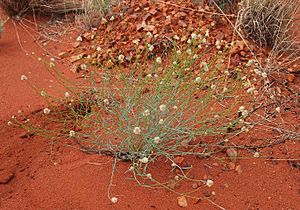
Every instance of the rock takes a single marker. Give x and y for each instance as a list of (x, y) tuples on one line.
[(231, 166), (235, 60), (195, 186), (149, 28), (182, 202), (75, 58), (63, 54), (76, 44), (75, 68), (182, 24), (6, 176), (207, 193), (238, 169), (291, 77), (232, 154)]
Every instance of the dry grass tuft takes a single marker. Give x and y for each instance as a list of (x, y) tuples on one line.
[(272, 24), (21, 7)]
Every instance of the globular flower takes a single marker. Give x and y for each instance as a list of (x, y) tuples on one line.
[(209, 183), (114, 199), (161, 121), (83, 66), (121, 57), (207, 33), (194, 36), (149, 176), (156, 139), (67, 94), (136, 41), (158, 60), (146, 113), (43, 93), (79, 39), (189, 51), (162, 107), (198, 80), (176, 37), (150, 47), (137, 130), (149, 34), (144, 160), (72, 133), (46, 111), (106, 101), (23, 77)]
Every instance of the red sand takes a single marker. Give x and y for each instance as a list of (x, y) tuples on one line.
[(39, 175)]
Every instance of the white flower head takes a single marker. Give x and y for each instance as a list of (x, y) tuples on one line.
[(83, 66), (277, 109), (43, 93), (189, 41), (136, 41), (23, 77), (168, 17), (98, 49), (176, 37), (144, 160), (137, 130), (163, 107), (256, 155), (242, 108), (112, 18), (150, 47), (209, 183), (189, 51), (264, 75), (207, 33), (158, 60), (194, 36), (72, 133), (106, 101), (149, 176), (149, 34), (121, 57), (46, 111), (52, 64), (156, 140), (67, 94), (146, 113), (9, 123), (161, 121), (79, 39), (244, 129), (198, 80), (114, 199)]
